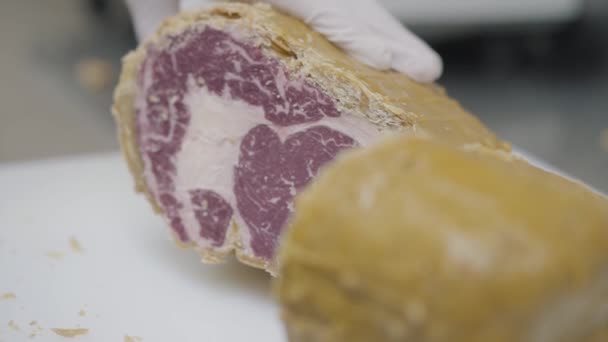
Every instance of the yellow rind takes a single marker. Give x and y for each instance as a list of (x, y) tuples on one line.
[(416, 240)]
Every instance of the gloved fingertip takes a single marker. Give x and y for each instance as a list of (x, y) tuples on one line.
[(189, 5), (368, 50), (355, 40), (148, 14), (425, 68), (378, 57)]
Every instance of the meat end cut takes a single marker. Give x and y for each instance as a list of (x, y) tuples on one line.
[(228, 114), (227, 134), (415, 240)]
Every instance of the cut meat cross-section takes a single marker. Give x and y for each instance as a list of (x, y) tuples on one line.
[(226, 114), (270, 173), (277, 148), (213, 214)]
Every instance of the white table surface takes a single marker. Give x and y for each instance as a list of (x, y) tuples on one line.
[(130, 279)]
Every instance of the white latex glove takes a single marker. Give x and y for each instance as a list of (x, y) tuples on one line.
[(363, 28)]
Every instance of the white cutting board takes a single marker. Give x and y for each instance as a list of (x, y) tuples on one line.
[(129, 279)]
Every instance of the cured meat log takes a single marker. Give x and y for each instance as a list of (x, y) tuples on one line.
[(415, 240), (225, 115)]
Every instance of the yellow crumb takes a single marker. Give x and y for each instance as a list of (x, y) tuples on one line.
[(132, 339), (8, 295), (95, 74), (13, 325), (75, 245), (36, 329), (55, 255), (604, 140), (82, 313), (69, 333)]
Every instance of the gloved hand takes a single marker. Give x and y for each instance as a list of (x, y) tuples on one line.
[(363, 28)]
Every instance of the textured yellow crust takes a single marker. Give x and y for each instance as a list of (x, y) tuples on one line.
[(390, 100), (414, 240)]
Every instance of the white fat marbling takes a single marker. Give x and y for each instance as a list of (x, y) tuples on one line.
[(211, 146)]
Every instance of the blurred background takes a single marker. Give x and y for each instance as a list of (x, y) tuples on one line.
[(535, 71)]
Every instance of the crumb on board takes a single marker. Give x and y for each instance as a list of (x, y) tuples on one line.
[(8, 295), (75, 245), (95, 74), (82, 313), (604, 140), (132, 339), (36, 329), (55, 255), (70, 333), (13, 325)]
